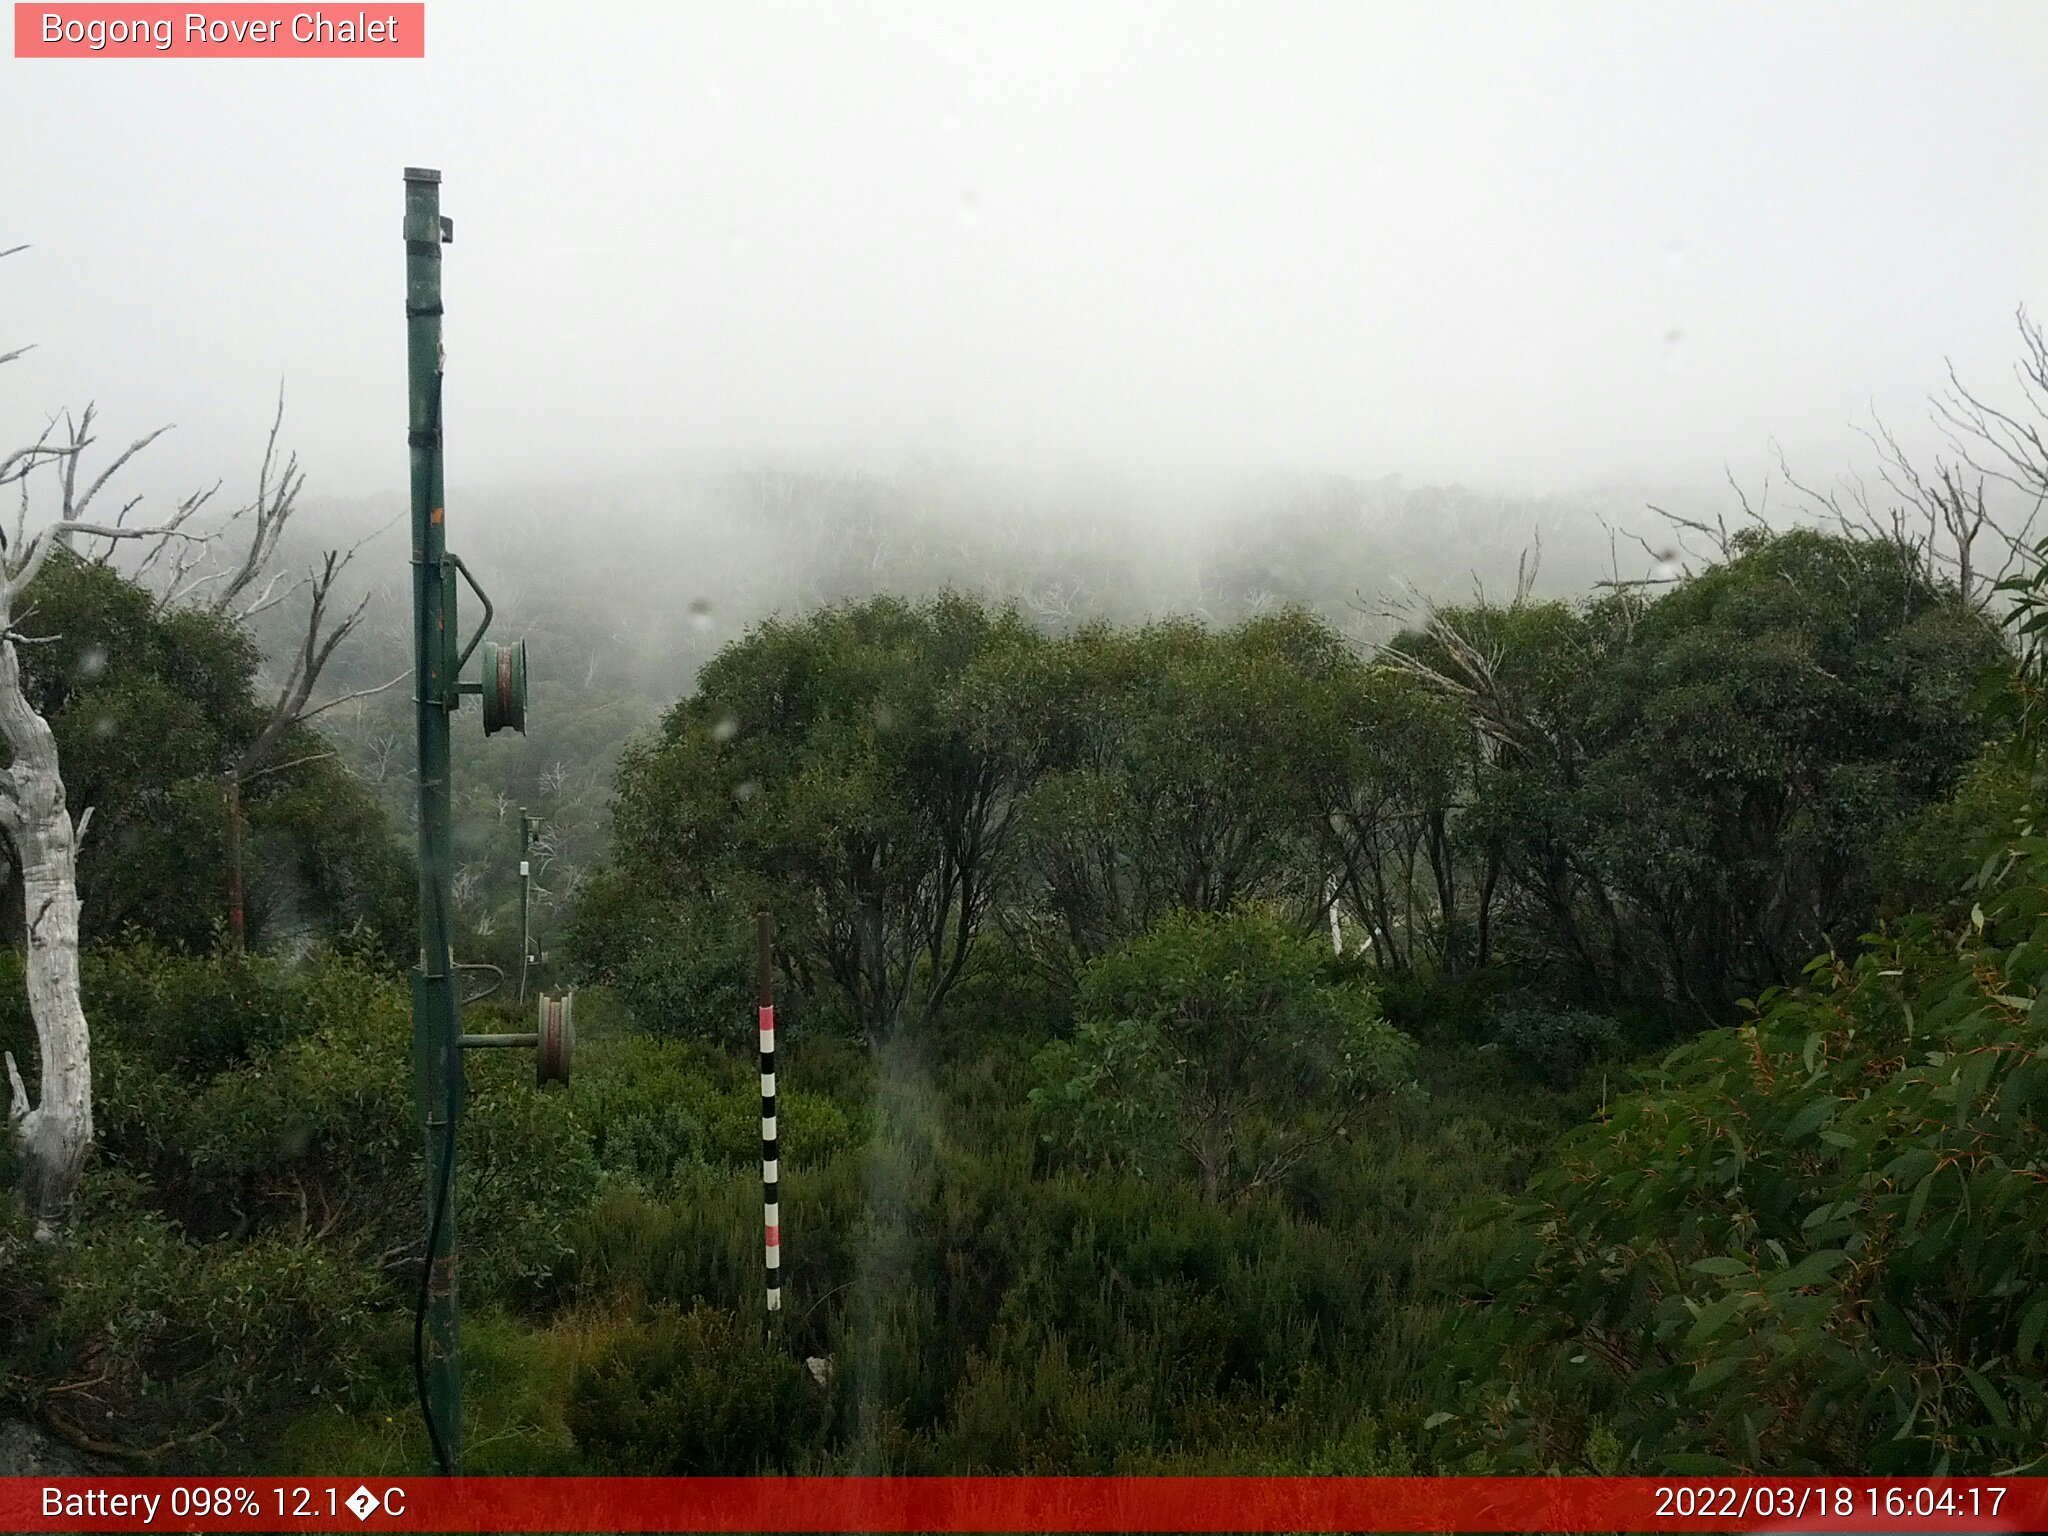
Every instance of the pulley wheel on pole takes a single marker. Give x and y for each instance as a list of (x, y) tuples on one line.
[(504, 686), (557, 1041)]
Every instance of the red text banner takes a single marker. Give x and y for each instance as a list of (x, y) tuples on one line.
[(1048, 1504), (237, 31)]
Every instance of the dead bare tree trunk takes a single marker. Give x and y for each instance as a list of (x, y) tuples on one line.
[(54, 1133)]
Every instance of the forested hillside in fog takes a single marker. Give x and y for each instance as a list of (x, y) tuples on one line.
[(625, 591), (1228, 1016)]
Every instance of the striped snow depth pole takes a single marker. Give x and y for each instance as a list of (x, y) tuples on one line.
[(771, 1172)]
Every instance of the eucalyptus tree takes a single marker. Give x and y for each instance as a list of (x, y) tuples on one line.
[(1688, 792), (1173, 760), (1388, 773), (1815, 1240), (53, 1129), (852, 772)]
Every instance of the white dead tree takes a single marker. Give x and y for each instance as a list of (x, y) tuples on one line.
[(53, 1130)]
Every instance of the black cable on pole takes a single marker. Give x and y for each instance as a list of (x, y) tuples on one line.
[(419, 1311), (445, 1183)]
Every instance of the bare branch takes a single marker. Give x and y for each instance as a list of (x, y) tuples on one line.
[(270, 596), (47, 538), (276, 501), (314, 652), (188, 550), (18, 463), (360, 693), (297, 762), (1526, 566), (1717, 531), (74, 511)]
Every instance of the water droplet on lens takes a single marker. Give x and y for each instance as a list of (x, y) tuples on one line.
[(725, 727), (700, 614), (92, 663), (746, 791)]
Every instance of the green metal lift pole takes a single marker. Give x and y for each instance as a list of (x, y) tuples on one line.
[(437, 1053)]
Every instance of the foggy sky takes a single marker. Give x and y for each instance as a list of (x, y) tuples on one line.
[(1527, 247)]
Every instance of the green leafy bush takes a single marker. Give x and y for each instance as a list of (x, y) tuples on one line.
[(693, 1393), (1818, 1242), (255, 1097), (1220, 1040), (162, 1343), (1558, 1044), (696, 982), (1027, 1405), (187, 1014), (658, 1109)]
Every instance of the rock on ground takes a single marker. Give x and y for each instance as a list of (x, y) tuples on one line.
[(26, 1451)]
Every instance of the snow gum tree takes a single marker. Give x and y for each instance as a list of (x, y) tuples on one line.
[(189, 567), (53, 1131)]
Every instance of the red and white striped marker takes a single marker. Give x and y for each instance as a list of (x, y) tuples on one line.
[(771, 1172)]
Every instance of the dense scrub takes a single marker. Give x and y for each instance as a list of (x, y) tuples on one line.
[(1812, 1241), (249, 1244), (1169, 1012)]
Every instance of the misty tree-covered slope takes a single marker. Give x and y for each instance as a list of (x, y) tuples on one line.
[(1661, 803), (1161, 991), (625, 590)]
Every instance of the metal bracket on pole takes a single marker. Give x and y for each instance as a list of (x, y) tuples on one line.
[(482, 627)]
